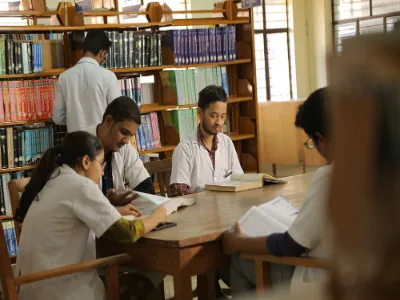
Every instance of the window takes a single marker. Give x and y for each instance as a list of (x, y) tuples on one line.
[(274, 63), (10, 21), (357, 17)]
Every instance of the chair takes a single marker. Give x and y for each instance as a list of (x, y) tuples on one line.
[(163, 170), (261, 266), (10, 283), (16, 186)]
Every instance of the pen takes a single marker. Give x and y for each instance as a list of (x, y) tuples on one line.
[(227, 174)]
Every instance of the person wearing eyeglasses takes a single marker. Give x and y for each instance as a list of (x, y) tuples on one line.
[(307, 236), (84, 91)]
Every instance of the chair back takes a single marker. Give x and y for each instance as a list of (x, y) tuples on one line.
[(16, 186), (6, 273), (163, 170)]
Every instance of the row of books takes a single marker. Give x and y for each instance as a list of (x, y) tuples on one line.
[(193, 46), (11, 237), (20, 57), (5, 200), (187, 84), (23, 146), (148, 135), (22, 100), (184, 121), (131, 87), (134, 50), (33, 36)]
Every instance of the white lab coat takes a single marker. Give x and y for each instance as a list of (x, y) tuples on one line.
[(83, 93), (60, 230), (127, 167), (192, 165)]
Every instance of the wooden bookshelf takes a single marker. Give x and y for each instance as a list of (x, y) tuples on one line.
[(9, 170), (215, 64), (241, 137), (13, 123), (160, 150), (3, 218), (46, 73)]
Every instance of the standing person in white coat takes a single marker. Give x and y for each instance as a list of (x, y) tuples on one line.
[(207, 156), (84, 91), (63, 211)]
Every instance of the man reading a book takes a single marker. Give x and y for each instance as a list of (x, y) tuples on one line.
[(307, 234), (123, 169), (207, 156)]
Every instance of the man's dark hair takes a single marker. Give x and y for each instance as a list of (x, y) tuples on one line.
[(123, 109), (96, 41), (311, 115), (211, 94)]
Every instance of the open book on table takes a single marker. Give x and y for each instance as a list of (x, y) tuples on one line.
[(243, 182), (146, 203), (275, 216)]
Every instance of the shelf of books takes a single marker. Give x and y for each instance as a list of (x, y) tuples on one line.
[(161, 64)]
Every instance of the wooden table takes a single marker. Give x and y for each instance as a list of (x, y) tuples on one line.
[(193, 247)]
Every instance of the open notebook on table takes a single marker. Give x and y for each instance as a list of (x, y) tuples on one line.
[(243, 182), (275, 216), (146, 203)]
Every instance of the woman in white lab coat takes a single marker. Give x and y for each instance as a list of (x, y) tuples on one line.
[(62, 210)]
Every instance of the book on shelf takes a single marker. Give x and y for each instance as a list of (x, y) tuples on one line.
[(131, 88), (184, 121), (187, 84), (275, 216), (134, 49), (146, 203), (23, 146), (148, 135), (11, 237), (20, 54), (26, 100), (204, 45), (5, 200), (243, 182)]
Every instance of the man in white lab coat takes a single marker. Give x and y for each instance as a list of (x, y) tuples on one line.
[(123, 170), (84, 91), (207, 156)]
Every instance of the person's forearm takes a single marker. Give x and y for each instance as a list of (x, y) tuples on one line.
[(150, 223), (251, 245), (125, 231)]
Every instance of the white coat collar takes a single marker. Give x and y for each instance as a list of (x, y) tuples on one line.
[(88, 60)]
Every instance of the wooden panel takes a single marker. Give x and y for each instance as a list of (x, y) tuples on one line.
[(279, 138)]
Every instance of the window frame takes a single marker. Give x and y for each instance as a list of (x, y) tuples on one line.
[(357, 21), (264, 31)]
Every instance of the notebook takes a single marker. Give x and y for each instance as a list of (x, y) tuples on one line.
[(243, 182)]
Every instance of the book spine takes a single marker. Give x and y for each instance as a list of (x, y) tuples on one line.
[(142, 138), (3, 144), (126, 48), (2, 202), (150, 131), (10, 147), (131, 50), (13, 100), (15, 143), (2, 114), (159, 50)]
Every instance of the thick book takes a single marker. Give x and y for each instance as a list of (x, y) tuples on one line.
[(146, 203), (242, 182), (275, 216)]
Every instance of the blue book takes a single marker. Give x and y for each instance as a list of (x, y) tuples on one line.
[(218, 33), (196, 45), (139, 146), (224, 43), (23, 154), (14, 238), (150, 130), (186, 46), (200, 45), (40, 58), (213, 44), (175, 46), (34, 55), (190, 46), (10, 243), (224, 80), (146, 132), (206, 46), (142, 136), (233, 39)]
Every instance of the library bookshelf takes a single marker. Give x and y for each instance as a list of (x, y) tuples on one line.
[(240, 72)]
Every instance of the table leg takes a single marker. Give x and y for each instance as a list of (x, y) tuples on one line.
[(183, 287), (206, 285)]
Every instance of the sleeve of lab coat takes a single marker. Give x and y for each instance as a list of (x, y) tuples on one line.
[(236, 167), (114, 90), (135, 172), (59, 109), (181, 165), (94, 209)]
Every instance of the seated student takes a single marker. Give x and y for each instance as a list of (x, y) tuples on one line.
[(63, 210), (123, 167), (307, 234), (207, 156)]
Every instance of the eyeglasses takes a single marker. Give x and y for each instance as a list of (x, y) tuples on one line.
[(309, 144)]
